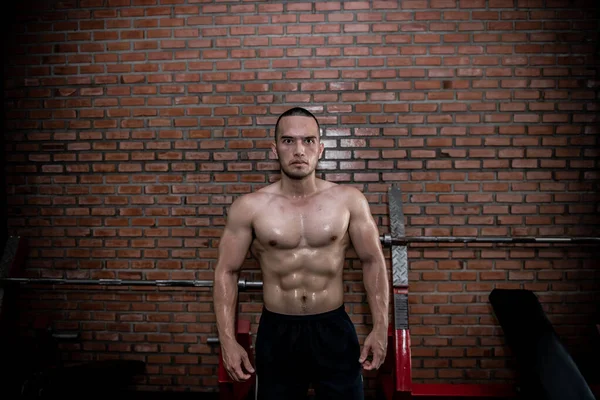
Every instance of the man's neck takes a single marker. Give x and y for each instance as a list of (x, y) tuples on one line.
[(298, 187)]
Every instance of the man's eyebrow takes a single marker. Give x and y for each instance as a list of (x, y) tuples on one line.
[(301, 137)]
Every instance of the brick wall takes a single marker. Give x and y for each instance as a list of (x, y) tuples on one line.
[(131, 125)]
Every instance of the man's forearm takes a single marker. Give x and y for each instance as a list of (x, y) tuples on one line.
[(377, 287), (225, 302)]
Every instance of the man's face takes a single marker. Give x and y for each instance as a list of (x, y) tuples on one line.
[(297, 146)]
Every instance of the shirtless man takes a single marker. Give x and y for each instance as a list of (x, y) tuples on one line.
[(299, 230)]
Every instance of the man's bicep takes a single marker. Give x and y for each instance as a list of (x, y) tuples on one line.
[(363, 230), (236, 239)]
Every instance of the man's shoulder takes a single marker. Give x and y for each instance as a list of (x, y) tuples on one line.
[(243, 208), (251, 201), (352, 198), (349, 192)]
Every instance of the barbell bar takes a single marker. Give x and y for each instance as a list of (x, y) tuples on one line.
[(243, 284), (388, 240)]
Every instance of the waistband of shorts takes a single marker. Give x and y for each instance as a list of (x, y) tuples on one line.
[(340, 311)]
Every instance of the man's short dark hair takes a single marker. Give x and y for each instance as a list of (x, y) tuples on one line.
[(296, 112)]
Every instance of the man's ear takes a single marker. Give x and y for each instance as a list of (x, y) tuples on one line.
[(321, 145), (274, 150)]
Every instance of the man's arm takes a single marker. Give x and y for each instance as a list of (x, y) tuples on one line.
[(365, 240), (233, 248)]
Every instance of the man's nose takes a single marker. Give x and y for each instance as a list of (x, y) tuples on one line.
[(299, 148)]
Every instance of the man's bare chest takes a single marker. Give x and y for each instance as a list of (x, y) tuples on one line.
[(301, 224)]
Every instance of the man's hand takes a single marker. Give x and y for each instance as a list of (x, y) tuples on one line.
[(236, 360), (376, 344)]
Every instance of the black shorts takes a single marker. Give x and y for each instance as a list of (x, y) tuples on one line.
[(293, 352)]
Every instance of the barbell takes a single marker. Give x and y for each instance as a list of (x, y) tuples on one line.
[(386, 240), (243, 284)]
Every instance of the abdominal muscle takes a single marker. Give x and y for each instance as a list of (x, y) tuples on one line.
[(302, 281)]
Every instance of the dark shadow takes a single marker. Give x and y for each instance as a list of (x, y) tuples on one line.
[(546, 369)]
